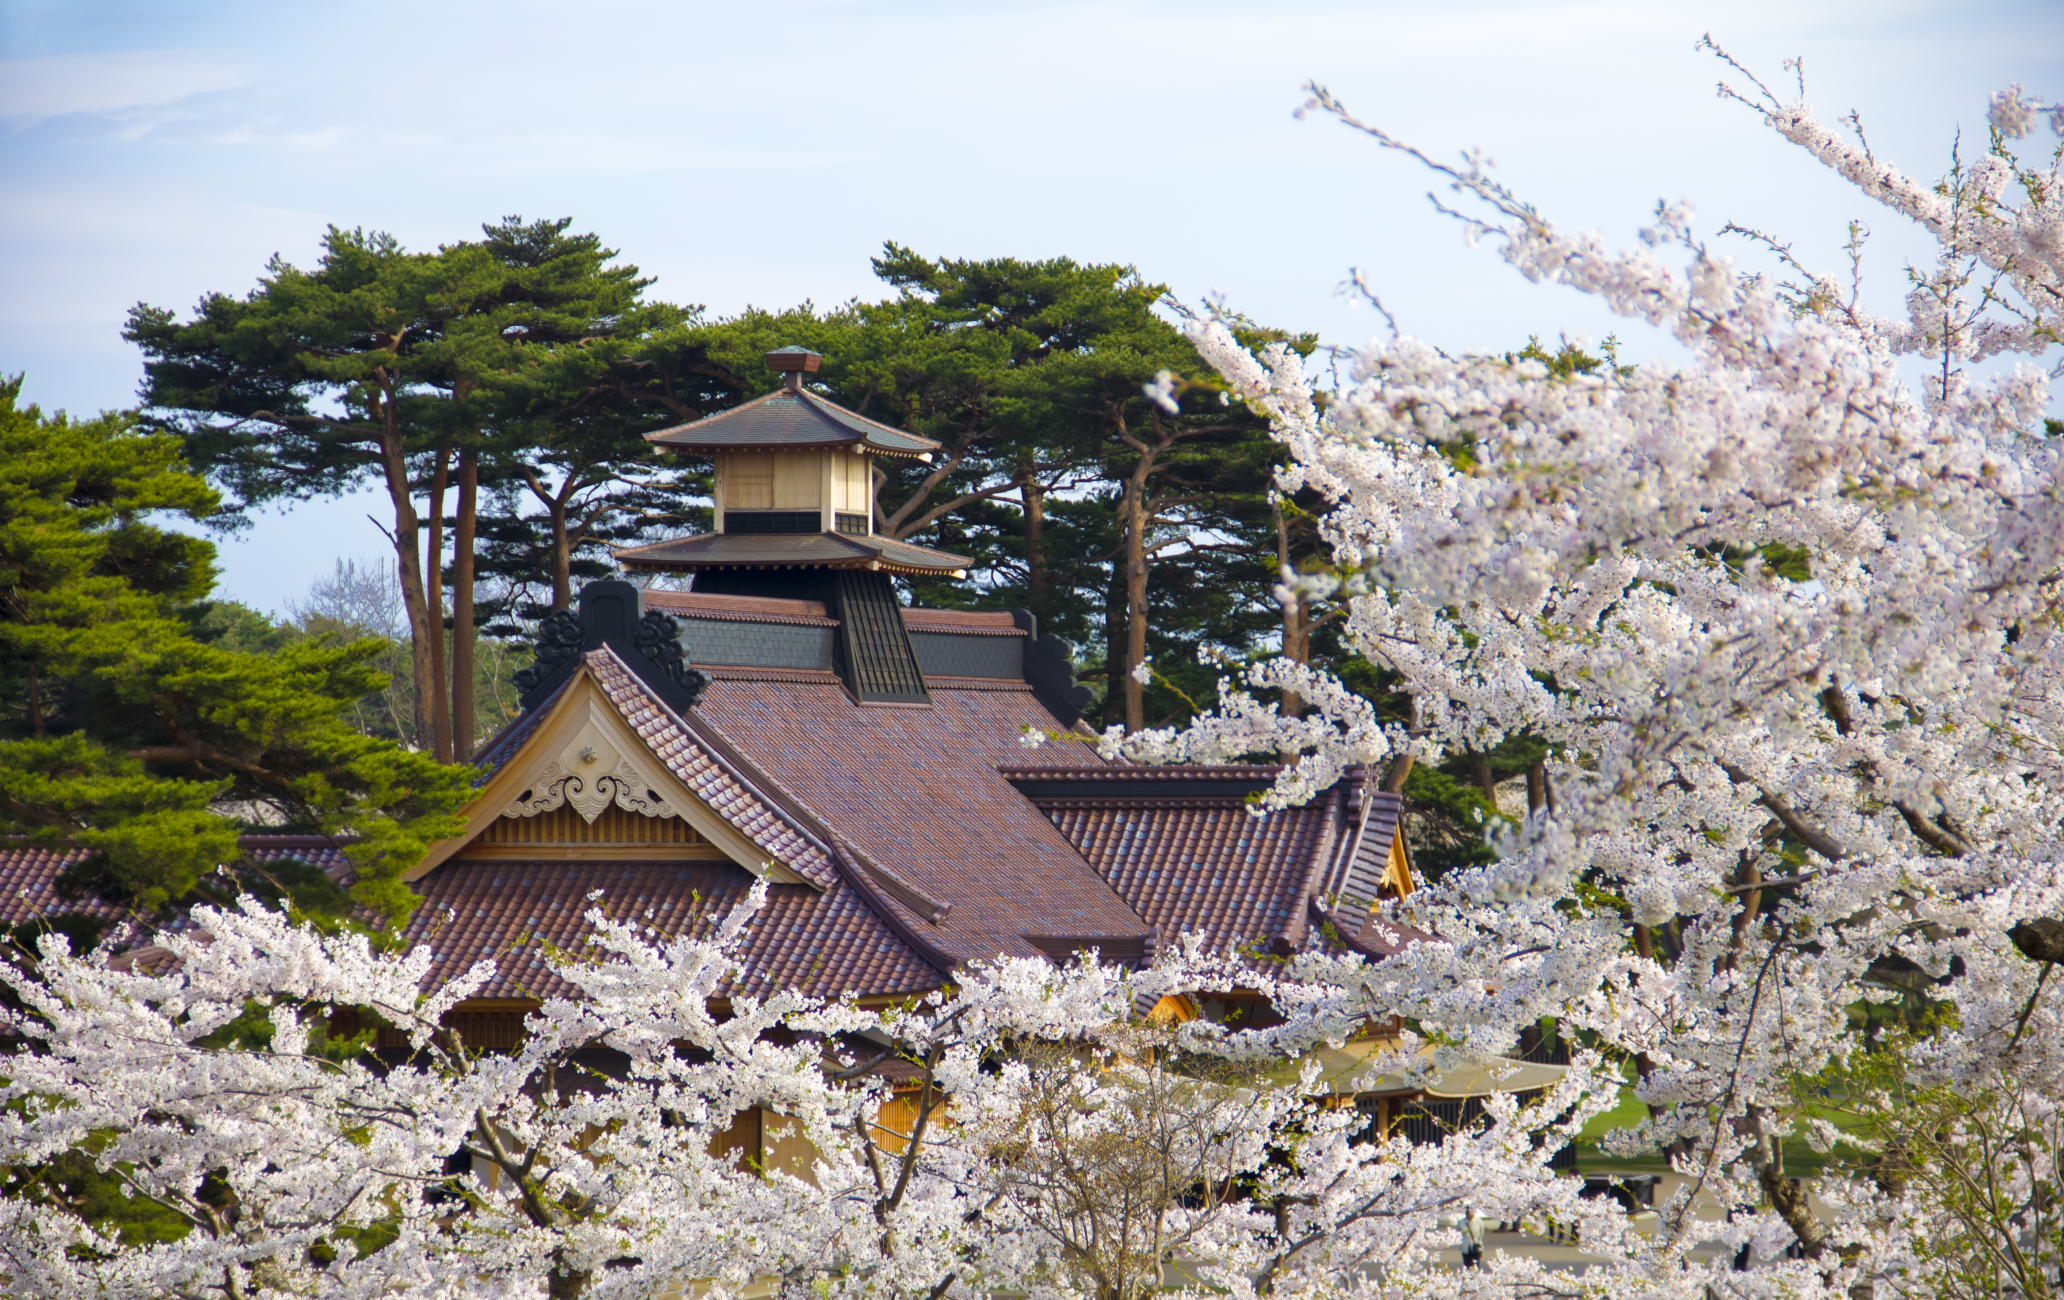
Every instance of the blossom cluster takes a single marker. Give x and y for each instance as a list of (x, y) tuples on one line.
[(1781, 796)]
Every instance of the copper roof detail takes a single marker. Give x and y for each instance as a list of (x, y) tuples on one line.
[(787, 551), (971, 622), (746, 609)]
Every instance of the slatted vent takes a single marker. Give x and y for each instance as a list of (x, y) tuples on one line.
[(564, 826), (875, 656)]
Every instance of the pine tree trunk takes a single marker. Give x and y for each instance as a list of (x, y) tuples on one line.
[(409, 561), (439, 710), (1114, 642), (1480, 769), (1296, 626), (463, 635), (1135, 523), (1136, 620), (1038, 576), (562, 556)]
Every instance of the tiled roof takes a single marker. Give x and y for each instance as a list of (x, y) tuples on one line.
[(1183, 845), (1217, 868), (827, 943), (749, 609), (787, 550), (917, 791), (790, 417), (981, 622), (733, 795), (28, 884), (29, 872), (1258, 775)]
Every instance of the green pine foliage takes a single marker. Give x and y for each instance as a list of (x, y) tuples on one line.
[(1031, 375), (150, 728)]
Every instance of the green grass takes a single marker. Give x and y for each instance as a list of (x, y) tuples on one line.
[(1800, 1160)]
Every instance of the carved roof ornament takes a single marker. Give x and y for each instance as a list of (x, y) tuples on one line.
[(590, 773), (612, 614)]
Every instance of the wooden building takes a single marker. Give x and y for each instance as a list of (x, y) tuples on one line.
[(788, 719)]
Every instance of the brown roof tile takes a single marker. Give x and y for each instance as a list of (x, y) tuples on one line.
[(825, 943), (1215, 868), (1183, 845), (916, 791), (28, 884), (745, 609), (735, 795), (29, 872)]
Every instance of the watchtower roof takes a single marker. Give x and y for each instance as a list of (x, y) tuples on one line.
[(790, 417)]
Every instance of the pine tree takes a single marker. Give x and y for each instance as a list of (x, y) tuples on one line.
[(142, 724)]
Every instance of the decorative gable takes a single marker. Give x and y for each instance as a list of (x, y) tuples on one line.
[(589, 774), (584, 785)]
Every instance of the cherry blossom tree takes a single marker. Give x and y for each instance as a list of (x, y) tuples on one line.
[(1805, 824), (1797, 818), (1024, 1131)]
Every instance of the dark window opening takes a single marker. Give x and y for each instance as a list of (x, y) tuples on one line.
[(773, 521)]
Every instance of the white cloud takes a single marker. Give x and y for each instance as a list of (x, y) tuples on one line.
[(109, 82)]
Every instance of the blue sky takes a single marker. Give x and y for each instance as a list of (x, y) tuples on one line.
[(759, 154)]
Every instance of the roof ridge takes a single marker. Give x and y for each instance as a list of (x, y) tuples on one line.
[(820, 401), (1109, 771), (1295, 931), (714, 416)]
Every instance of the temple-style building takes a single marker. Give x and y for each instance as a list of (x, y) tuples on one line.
[(788, 719)]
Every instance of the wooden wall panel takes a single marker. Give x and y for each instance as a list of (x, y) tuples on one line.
[(748, 479), (852, 491), (799, 480)]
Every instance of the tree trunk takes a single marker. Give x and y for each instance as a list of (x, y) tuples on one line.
[(1296, 620), (562, 555), (409, 560), (1038, 576), (1480, 769), (1135, 560), (1536, 786), (566, 1281), (1114, 641), (1401, 766), (433, 594), (463, 733)]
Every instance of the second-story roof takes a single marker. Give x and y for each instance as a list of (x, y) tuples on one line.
[(788, 551)]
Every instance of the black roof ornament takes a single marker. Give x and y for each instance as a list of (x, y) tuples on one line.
[(612, 614)]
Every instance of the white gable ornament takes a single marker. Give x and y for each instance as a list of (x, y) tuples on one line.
[(590, 773)]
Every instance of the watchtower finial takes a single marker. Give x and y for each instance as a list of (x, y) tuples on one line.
[(793, 363)]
